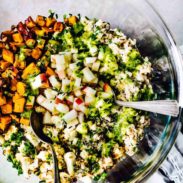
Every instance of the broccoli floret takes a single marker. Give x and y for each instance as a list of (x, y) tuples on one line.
[(29, 149), (125, 118), (109, 63), (16, 164), (101, 177), (107, 148), (26, 114), (133, 60), (78, 28)]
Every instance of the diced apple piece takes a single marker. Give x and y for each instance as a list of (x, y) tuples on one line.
[(89, 91), (89, 99), (61, 74), (40, 81), (47, 118), (62, 108), (72, 66), (70, 116), (57, 121), (81, 117), (50, 94), (67, 56), (89, 61), (54, 82), (61, 96), (65, 84), (78, 93), (96, 66), (60, 61), (95, 81), (46, 103), (88, 74), (77, 83)]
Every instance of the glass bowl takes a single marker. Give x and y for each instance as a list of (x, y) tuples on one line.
[(140, 21)]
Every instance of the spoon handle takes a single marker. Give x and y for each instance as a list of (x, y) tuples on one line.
[(55, 164), (166, 107)]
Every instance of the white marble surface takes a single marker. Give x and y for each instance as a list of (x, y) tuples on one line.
[(170, 10)]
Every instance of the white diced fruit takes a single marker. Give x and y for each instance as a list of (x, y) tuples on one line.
[(67, 56), (72, 66), (61, 96), (54, 82), (65, 83), (38, 81), (70, 116), (77, 83), (89, 91), (47, 118), (89, 99), (57, 121), (40, 99), (62, 108), (89, 61), (50, 94), (61, 74), (60, 62), (96, 66), (78, 93), (81, 117), (70, 158), (88, 74), (77, 103), (46, 103)]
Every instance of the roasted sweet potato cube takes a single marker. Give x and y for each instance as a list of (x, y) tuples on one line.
[(71, 20), (4, 122), (30, 43), (17, 37), (13, 85), (4, 65), (58, 26), (7, 108), (19, 105), (21, 87), (2, 100), (50, 21), (39, 32), (36, 53), (24, 121), (30, 22), (40, 20), (2, 45), (49, 71), (16, 97), (8, 55), (29, 70)]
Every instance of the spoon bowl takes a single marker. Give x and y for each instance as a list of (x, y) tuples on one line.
[(37, 127)]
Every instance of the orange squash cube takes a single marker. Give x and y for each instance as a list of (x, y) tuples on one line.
[(17, 37), (7, 108), (8, 55), (19, 105)]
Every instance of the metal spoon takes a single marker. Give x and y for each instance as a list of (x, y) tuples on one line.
[(37, 127), (166, 107)]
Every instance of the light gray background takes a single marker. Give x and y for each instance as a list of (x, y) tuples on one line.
[(172, 13)]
